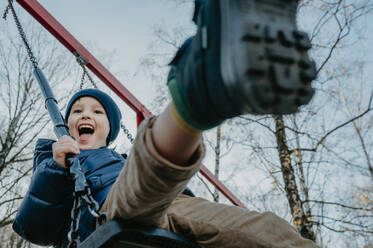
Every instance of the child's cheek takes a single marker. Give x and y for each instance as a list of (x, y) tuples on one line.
[(71, 128)]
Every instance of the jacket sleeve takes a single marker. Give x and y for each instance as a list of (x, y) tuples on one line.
[(45, 209)]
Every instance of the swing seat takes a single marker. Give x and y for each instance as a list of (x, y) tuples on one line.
[(116, 234)]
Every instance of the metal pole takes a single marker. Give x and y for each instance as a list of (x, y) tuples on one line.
[(60, 129)]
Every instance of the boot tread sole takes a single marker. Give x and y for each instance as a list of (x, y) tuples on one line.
[(266, 65)]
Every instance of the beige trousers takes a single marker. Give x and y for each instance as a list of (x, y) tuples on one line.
[(148, 191)]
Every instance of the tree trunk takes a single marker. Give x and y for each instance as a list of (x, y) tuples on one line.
[(302, 178), (300, 221)]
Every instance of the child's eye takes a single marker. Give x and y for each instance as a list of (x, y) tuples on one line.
[(99, 112), (77, 111)]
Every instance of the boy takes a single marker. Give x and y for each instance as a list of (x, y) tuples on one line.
[(214, 76)]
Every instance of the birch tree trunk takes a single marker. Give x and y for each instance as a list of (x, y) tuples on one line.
[(300, 220)]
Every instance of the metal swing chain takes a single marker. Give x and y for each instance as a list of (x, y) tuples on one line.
[(6, 12), (83, 62), (21, 32), (127, 133), (93, 206), (73, 235), (82, 81)]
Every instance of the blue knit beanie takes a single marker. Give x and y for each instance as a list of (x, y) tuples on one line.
[(111, 108)]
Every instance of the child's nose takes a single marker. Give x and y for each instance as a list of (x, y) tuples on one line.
[(86, 115)]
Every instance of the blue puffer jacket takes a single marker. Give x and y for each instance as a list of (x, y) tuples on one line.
[(44, 215)]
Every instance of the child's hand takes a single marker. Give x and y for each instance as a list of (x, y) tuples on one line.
[(63, 146)]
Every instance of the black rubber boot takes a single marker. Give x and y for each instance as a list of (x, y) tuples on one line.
[(247, 57)]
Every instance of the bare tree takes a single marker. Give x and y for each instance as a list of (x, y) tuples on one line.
[(9, 239), (343, 15), (312, 145)]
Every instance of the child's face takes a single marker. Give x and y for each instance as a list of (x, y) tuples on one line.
[(88, 123)]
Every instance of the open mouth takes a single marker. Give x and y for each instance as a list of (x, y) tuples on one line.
[(85, 129)]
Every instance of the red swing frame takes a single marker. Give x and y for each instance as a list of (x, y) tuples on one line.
[(74, 46)]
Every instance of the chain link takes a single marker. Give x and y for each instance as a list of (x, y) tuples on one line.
[(73, 235), (82, 81), (83, 62), (21, 32), (93, 207), (127, 133), (85, 72), (6, 12)]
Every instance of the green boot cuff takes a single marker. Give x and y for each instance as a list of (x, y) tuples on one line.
[(185, 111)]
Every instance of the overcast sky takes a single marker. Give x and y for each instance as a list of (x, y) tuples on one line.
[(123, 26)]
